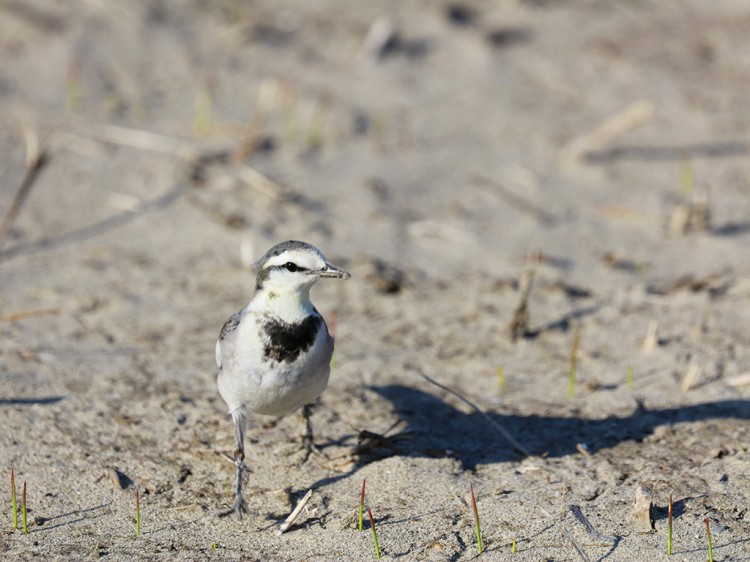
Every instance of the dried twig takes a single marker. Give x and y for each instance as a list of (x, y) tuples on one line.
[(739, 380), (516, 201), (36, 164), (691, 376), (21, 314), (146, 140), (294, 514), (508, 437), (576, 511), (519, 325), (651, 341), (567, 533), (620, 123)]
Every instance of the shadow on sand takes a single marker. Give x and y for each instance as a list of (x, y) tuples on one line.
[(437, 427)]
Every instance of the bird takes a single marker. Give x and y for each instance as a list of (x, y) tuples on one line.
[(274, 355)]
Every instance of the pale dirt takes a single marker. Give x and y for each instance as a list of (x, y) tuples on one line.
[(120, 270)]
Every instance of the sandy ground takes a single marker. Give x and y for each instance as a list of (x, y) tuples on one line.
[(441, 153)]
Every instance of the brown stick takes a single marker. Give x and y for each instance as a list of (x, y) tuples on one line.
[(36, 165)]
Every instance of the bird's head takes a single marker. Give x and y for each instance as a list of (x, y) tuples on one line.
[(294, 266)]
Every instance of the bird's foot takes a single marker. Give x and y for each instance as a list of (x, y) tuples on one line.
[(240, 507), (308, 448)]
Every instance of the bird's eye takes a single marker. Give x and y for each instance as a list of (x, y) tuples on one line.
[(291, 266)]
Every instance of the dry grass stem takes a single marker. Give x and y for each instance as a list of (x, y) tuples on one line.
[(519, 324), (739, 380), (294, 514), (691, 376), (23, 314), (634, 116), (573, 362), (578, 514), (651, 341), (267, 94), (37, 159), (518, 202), (508, 437)]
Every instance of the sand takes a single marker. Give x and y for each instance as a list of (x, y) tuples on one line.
[(443, 153)]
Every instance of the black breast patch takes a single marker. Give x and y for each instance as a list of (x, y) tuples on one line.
[(287, 341)]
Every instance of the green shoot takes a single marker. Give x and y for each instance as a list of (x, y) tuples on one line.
[(710, 546), (480, 546), (573, 363), (289, 112), (687, 176), (74, 87), (669, 527), (629, 378), (137, 512), (203, 109), (374, 533), (13, 500), (500, 377), (23, 509), (316, 125), (362, 503), (513, 548)]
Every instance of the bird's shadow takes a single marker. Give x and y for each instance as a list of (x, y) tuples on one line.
[(439, 427)]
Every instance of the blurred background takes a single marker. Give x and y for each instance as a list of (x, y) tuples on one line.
[(152, 150)]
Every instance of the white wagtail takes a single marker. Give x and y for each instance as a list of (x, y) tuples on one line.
[(274, 355)]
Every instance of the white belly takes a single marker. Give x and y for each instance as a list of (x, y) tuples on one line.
[(251, 381)]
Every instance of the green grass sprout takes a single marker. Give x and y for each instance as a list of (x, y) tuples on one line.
[(137, 512), (480, 546), (513, 547), (374, 533), (362, 504), (316, 125), (629, 378), (573, 363), (13, 499), (203, 109), (289, 111), (687, 176), (669, 527), (74, 86), (500, 377), (710, 545), (23, 509)]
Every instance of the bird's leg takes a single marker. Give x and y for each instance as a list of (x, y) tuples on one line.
[(239, 457), (308, 445)]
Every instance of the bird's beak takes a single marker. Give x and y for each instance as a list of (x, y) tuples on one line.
[(334, 272)]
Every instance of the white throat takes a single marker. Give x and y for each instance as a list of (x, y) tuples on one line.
[(290, 304)]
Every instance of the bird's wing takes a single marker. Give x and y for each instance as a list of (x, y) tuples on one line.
[(227, 334)]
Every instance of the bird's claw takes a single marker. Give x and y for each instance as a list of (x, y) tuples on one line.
[(240, 507), (308, 447)]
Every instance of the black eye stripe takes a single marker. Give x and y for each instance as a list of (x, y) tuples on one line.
[(292, 267)]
